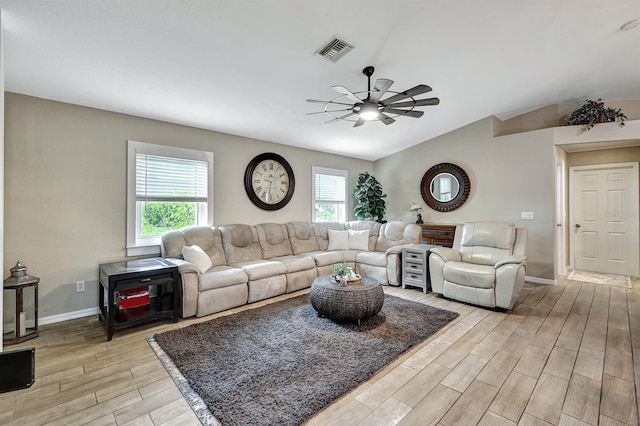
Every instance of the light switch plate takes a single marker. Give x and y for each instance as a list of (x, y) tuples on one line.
[(526, 215)]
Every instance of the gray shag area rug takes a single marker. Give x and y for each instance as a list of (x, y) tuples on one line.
[(280, 364)]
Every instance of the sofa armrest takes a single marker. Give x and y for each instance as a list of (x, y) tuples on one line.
[(189, 287), (447, 254), (183, 265), (396, 249), (511, 259)]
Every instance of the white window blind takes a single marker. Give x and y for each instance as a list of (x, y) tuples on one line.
[(161, 178), (330, 188), (329, 194)]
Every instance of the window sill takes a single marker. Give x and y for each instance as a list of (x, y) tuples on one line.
[(153, 250)]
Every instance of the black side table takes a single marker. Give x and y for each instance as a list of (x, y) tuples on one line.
[(158, 275)]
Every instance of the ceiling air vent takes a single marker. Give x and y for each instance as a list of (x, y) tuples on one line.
[(335, 49)]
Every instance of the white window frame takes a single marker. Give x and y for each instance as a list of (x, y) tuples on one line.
[(151, 245), (335, 172)]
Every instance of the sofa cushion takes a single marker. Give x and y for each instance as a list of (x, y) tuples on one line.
[(258, 269), (397, 233), (206, 237), (221, 276), (349, 255), (370, 225), (470, 274), (195, 255), (274, 240), (321, 230), (302, 237), (240, 243), (487, 242), (358, 240), (338, 240), (374, 258), (324, 258), (296, 263)]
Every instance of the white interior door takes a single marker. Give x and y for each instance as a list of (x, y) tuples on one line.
[(604, 218)]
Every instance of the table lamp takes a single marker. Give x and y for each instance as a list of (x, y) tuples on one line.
[(416, 209)]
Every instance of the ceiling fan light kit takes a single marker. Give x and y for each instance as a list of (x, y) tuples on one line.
[(370, 107)]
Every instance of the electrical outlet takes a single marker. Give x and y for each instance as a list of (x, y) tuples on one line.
[(79, 286), (526, 215)]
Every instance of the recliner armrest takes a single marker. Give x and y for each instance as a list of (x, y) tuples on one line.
[(511, 259), (396, 249), (447, 254), (183, 266)]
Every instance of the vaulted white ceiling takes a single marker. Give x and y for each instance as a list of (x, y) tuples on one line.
[(246, 67)]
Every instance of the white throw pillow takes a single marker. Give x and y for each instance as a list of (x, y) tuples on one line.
[(338, 240), (359, 240), (198, 257)]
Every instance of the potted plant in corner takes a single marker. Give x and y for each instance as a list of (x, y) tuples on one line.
[(370, 203), (591, 113)]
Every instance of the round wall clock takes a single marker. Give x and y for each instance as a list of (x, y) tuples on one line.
[(269, 181)]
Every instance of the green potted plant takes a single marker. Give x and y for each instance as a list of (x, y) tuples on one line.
[(591, 113), (370, 199), (340, 271)]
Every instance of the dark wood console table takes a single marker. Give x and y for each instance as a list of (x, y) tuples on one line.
[(438, 234), (158, 275)]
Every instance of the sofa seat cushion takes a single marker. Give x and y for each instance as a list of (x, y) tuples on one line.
[(350, 255), (373, 258), (221, 276), (296, 263), (470, 274), (258, 269), (325, 258)]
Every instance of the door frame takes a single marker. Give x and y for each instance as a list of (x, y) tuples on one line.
[(635, 209), (561, 207)]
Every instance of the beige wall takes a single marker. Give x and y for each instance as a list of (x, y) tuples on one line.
[(603, 156), (509, 175), (66, 188)]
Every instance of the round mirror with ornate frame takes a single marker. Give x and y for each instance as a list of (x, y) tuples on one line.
[(445, 187)]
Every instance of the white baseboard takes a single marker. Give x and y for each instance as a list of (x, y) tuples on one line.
[(537, 280), (68, 316)]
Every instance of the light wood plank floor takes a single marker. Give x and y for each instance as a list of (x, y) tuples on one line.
[(563, 356)]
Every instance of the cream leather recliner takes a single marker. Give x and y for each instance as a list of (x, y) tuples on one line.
[(486, 265)]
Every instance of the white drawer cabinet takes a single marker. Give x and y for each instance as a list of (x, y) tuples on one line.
[(415, 266)]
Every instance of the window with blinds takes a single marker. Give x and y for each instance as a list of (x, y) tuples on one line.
[(168, 188), (329, 195), (170, 179), (170, 193)]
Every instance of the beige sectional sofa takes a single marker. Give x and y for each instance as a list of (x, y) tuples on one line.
[(255, 262)]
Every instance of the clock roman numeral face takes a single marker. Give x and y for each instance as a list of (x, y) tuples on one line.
[(270, 182)]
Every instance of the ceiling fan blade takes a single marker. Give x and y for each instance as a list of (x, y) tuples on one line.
[(414, 91), (360, 122), (419, 102), (315, 101), (340, 118), (414, 114), (343, 90), (379, 89), (326, 112), (386, 119)]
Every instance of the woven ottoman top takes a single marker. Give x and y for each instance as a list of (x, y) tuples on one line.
[(346, 302)]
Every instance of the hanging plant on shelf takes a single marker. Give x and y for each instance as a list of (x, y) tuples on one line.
[(591, 113)]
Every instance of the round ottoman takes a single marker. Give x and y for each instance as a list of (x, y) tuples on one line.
[(346, 302)]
